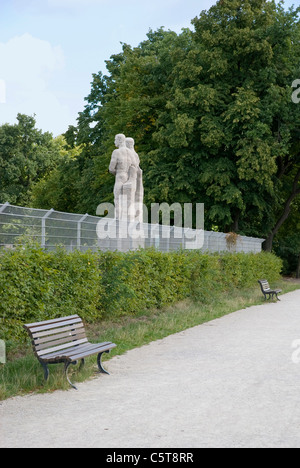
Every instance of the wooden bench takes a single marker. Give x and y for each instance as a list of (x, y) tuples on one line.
[(267, 291), (64, 340)]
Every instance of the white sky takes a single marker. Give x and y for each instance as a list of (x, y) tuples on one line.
[(50, 48)]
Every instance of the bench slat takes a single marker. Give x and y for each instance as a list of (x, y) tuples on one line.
[(47, 339), (88, 347), (59, 340), (57, 320), (38, 335), (87, 353), (77, 350), (53, 325), (62, 353), (57, 348)]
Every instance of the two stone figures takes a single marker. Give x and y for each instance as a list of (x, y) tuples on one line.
[(128, 190)]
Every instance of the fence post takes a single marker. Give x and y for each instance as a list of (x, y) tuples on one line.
[(44, 227), (79, 230), (3, 207)]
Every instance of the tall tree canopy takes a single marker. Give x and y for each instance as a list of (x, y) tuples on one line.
[(26, 155), (211, 114)]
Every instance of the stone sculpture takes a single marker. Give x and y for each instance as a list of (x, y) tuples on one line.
[(136, 176), (128, 189)]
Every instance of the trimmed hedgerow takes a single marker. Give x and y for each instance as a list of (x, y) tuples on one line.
[(37, 285)]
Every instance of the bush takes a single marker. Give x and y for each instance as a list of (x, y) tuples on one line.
[(36, 285), (141, 280)]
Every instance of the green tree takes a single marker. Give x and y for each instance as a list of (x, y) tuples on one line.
[(211, 114), (229, 130), (128, 100), (26, 155), (58, 189)]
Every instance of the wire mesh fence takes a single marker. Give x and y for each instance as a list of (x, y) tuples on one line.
[(51, 229)]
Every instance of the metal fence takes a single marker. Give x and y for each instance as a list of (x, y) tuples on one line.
[(85, 232)]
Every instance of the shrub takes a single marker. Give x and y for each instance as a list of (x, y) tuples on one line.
[(37, 285)]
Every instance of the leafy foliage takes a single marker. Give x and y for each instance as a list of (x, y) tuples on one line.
[(26, 155), (212, 117), (36, 285), (211, 114)]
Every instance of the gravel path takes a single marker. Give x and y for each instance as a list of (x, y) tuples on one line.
[(232, 382)]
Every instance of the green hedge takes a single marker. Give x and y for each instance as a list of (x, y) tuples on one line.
[(36, 285)]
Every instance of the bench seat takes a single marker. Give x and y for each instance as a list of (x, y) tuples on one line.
[(64, 340), (267, 291)]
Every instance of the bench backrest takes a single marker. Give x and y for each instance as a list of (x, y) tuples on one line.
[(264, 285), (54, 335)]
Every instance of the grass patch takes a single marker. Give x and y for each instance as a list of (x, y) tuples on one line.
[(23, 374)]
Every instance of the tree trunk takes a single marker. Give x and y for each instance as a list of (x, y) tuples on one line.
[(235, 225), (267, 246), (298, 268)]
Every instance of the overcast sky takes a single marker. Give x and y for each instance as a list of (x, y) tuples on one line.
[(50, 48)]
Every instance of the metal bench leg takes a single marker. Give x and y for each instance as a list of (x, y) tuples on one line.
[(100, 366), (82, 362), (46, 371), (67, 365)]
